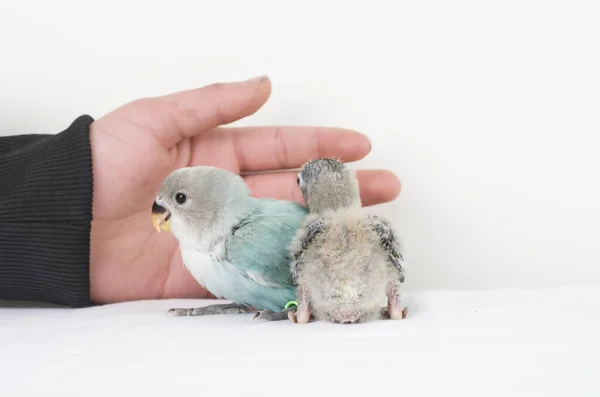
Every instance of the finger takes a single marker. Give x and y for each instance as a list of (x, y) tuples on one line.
[(185, 114), (376, 186), (256, 149), (274, 148)]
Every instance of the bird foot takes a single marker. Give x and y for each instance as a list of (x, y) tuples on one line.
[(394, 310), (302, 317), (303, 314), (228, 308), (394, 313), (268, 315)]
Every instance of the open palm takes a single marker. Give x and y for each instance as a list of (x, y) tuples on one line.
[(137, 145)]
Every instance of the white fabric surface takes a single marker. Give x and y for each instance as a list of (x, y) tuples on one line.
[(494, 343)]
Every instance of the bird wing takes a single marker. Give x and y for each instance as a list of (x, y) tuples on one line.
[(313, 228), (260, 244), (389, 242)]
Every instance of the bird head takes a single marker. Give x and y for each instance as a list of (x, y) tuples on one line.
[(192, 200), (328, 184)]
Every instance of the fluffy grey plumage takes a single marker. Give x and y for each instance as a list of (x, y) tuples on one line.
[(345, 263)]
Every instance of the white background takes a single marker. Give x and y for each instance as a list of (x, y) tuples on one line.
[(486, 110)]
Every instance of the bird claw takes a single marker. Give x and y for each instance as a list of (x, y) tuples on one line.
[(180, 312), (268, 315), (300, 317), (227, 308), (292, 317), (257, 316), (399, 315), (394, 314)]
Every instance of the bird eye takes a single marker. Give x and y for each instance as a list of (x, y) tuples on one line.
[(180, 198)]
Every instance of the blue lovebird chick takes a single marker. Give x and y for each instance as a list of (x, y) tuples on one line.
[(234, 245)]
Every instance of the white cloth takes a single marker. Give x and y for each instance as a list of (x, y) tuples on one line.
[(480, 344)]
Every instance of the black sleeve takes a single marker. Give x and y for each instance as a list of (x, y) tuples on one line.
[(46, 191)]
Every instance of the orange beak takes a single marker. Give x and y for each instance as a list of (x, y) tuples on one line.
[(161, 218)]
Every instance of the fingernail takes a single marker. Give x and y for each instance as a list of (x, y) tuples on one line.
[(257, 79)]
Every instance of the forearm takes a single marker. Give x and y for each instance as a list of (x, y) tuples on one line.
[(46, 191)]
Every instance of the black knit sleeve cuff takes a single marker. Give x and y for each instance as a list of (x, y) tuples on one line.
[(45, 217)]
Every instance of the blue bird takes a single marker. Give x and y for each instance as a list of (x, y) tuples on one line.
[(234, 245)]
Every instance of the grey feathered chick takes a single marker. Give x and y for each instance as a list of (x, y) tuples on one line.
[(345, 263)]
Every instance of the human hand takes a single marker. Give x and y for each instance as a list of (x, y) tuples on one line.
[(137, 145)]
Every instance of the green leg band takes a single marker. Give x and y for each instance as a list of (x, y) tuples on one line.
[(290, 303)]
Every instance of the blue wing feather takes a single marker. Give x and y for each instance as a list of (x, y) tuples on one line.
[(259, 247)]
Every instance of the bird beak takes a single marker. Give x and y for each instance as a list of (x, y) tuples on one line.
[(161, 217)]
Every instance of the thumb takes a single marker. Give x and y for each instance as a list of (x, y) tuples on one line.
[(185, 114)]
